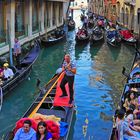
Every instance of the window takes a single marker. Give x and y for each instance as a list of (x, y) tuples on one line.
[(54, 14), (47, 14), (123, 16), (35, 14), (19, 18), (126, 17), (3, 38), (114, 9), (60, 12)]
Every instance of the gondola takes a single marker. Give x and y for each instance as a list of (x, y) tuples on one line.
[(127, 36), (113, 38), (45, 104), (71, 25), (97, 36), (132, 84), (54, 38), (82, 37), (20, 75)]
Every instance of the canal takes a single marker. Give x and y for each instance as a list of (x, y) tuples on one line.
[(98, 86)]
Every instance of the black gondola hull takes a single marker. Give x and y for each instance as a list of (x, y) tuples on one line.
[(47, 43), (20, 75), (82, 40), (47, 108)]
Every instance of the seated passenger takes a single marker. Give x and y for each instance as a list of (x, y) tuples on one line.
[(131, 101), (133, 123), (7, 72), (42, 133), (124, 132), (1, 72), (26, 132)]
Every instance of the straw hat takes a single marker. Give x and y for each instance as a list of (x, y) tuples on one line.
[(6, 65)]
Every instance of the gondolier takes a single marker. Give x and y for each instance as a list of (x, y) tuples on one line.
[(17, 52), (70, 70)]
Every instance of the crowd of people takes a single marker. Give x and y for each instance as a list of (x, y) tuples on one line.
[(128, 119)]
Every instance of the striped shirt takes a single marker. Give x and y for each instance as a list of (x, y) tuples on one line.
[(72, 65)]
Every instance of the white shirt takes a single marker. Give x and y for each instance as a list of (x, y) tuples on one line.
[(8, 73)]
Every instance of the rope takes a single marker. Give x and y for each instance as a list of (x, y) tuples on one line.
[(1, 98)]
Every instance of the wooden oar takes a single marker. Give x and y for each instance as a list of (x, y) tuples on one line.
[(38, 106)]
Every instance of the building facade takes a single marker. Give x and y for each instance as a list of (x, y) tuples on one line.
[(97, 6), (126, 12), (26, 19)]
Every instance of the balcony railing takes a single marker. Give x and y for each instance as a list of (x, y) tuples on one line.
[(130, 2)]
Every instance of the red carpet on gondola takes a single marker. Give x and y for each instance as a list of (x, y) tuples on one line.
[(61, 101)]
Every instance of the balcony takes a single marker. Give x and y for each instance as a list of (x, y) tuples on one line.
[(130, 2)]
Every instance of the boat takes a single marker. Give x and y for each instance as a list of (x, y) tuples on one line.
[(127, 36), (132, 84), (113, 38), (47, 103), (82, 36), (20, 75), (53, 38), (97, 36), (71, 24)]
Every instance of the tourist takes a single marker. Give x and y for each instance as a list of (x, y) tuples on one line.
[(17, 52), (26, 132), (134, 124), (7, 72), (131, 102), (1, 73), (124, 132), (70, 71), (42, 133)]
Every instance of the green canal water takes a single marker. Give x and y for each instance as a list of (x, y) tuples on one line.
[(98, 86)]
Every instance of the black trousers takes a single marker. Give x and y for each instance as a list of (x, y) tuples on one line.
[(18, 61), (70, 81)]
